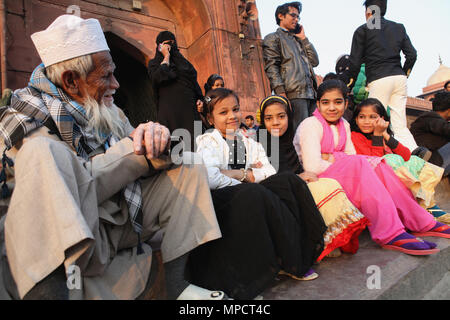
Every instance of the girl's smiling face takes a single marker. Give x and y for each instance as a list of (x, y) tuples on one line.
[(276, 119), (366, 118), (332, 106), (226, 116)]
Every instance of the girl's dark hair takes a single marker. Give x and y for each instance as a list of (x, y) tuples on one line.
[(379, 108), (331, 76), (210, 82), (284, 9), (215, 96), (330, 85)]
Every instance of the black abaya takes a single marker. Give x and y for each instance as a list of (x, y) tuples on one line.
[(177, 91), (266, 227)]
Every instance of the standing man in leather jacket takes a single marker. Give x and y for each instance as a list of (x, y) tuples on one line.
[(289, 59), (378, 43)]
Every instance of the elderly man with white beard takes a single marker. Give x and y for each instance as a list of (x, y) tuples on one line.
[(85, 190)]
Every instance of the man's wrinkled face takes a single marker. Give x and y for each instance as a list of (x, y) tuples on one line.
[(100, 83)]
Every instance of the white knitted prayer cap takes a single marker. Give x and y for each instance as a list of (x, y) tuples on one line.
[(68, 37)]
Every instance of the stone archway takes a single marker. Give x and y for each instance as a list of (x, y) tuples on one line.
[(208, 33), (135, 95), (188, 20)]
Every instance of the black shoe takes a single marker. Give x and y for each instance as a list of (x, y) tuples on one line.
[(422, 152)]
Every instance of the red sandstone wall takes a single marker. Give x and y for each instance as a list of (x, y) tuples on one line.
[(207, 32)]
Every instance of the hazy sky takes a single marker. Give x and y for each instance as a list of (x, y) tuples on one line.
[(330, 24)]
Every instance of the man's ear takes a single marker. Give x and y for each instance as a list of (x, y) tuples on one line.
[(280, 15), (71, 82)]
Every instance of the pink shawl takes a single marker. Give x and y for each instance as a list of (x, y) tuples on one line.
[(327, 143)]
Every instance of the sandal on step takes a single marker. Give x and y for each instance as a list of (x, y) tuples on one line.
[(192, 292), (310, 275), (435, 232), (397, 246)]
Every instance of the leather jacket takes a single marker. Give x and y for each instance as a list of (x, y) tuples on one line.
[(289, 64)]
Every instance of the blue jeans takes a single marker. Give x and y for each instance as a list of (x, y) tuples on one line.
[(302, 109)]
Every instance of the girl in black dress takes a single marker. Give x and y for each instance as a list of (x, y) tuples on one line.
[(269, 222)]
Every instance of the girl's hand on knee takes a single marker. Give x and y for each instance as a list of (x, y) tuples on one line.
[(308, 177)]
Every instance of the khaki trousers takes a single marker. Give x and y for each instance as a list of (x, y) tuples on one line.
[(55, 217), (392, 92)]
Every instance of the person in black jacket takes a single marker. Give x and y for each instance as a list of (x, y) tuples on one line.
[(378, 44), (289, 59), (432, 130), (177, 93)]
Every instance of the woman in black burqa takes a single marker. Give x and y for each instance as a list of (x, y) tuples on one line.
[(174, 81)]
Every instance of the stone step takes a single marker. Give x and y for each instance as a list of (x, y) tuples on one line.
[(352, 277)]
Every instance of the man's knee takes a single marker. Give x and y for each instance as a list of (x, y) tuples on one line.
[(195, 170)]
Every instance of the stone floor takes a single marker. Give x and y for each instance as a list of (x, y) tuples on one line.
[(352, 277), (401, 276), (372, 273)]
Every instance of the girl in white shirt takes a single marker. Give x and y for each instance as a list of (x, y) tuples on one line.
[(269, 222)]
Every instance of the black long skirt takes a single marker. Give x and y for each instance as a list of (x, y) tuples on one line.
[(266, 227)]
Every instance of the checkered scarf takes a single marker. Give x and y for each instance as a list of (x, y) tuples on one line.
[(44, 104)]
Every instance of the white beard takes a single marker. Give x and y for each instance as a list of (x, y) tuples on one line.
[(103, 119)]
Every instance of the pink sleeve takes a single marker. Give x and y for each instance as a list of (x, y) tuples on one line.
[(307, 144)]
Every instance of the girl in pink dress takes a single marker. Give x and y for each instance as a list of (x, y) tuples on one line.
[(323, 143)]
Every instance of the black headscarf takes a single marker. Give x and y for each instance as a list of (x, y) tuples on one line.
[(211, 81), (184, 69), (288, 158)]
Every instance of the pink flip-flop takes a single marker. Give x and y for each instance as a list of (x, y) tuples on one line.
[(396, 246), (437, 232)]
